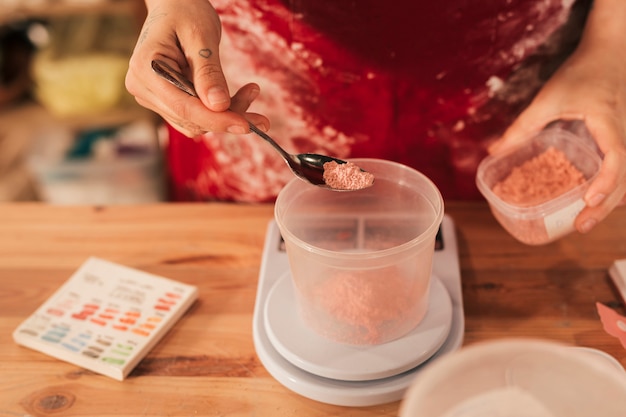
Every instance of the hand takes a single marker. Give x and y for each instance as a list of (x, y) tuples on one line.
[(186, 36), (589, 86)]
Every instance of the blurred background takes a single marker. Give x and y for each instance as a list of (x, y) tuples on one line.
[(69, 131)]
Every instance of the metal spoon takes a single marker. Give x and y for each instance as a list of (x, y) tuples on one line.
[(307, 166)]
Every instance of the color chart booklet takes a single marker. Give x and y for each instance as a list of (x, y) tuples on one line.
[(106, 317)]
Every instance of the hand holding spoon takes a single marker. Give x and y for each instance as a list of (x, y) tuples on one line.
[(307, 166)]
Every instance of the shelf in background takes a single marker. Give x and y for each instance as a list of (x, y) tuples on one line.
[(18, 10)]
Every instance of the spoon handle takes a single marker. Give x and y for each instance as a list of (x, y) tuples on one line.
[(168, 73), (287, 156)]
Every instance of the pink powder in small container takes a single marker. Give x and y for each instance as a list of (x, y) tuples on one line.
[(536, 190), (361, 262)]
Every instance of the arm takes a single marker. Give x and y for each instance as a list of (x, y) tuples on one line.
[(186, 35), (590, 86)]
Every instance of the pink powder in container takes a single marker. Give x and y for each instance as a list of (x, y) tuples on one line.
[(535, 191), (540, 179), (364, 307), (361, 262)]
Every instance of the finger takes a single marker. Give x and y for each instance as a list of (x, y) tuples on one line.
[(605, 193), (612, 175), (182, 124), (211, 86), (259, 121), (200, 43), (242, 100), (211, 83), (244, 97)]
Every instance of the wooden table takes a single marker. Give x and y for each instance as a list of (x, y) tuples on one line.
[(207, 365)]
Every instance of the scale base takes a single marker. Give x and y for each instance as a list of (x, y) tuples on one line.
[(275, 265)]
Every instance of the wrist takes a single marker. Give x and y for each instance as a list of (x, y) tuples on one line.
[(605, 27)]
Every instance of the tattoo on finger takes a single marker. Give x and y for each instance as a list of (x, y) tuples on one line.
[(205, 53), (191, 129)]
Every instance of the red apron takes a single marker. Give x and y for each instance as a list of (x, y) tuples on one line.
[(426, 83)]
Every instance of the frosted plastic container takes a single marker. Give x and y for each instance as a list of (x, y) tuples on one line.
[(519, 378), (537, 224), (131, 180), (361, 261)]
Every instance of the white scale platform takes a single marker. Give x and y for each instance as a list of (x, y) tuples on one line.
[(348, 375)]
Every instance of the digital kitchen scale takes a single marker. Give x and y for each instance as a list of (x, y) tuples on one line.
[(353, 375)]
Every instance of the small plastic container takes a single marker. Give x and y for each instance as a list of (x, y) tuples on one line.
[(361, 261), (521, 378), (542, 222)]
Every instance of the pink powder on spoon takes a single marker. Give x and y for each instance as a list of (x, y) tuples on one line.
[(346, 176)]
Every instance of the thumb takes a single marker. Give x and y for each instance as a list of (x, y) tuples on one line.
[(201, 47), (209, 79), (527, 124)]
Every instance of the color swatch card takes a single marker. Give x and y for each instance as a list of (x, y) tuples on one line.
[(106, 317)]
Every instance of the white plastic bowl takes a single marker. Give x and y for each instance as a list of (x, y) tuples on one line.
[(520, 378)]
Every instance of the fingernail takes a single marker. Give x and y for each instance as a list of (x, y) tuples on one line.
[(217, 95), (596, 199), (236, 129), (254, 93), (588, 225)]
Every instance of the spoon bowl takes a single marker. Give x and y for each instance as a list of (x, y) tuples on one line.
[(306, 166)]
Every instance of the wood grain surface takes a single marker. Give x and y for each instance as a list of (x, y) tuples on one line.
[(206, 365)]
